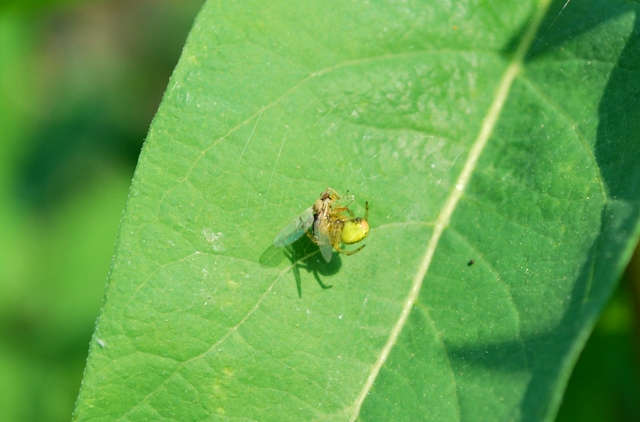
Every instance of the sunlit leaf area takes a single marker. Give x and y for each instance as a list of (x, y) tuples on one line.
[(493, 147)]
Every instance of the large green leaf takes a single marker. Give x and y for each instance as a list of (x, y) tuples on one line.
[(503, 132)]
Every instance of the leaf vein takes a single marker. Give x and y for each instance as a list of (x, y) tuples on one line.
[(513, 68), (223, 338)]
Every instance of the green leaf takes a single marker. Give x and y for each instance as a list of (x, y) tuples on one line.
[(501, 132)]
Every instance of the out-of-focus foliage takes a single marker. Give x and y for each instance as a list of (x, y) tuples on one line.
[(605, 384), (79, 85)]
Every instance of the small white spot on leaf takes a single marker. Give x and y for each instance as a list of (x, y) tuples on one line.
[(215, 239)]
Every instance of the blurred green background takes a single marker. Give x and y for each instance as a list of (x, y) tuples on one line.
[(80, 82)]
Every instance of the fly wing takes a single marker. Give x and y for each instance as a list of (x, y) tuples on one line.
[(294, 230), (327, 251), (322, 239)]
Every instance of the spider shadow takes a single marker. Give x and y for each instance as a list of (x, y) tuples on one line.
[(303, 254)]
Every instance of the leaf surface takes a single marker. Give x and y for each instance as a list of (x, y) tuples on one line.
[(504, 133)]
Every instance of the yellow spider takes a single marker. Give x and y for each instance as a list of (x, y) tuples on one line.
[(331, 224)]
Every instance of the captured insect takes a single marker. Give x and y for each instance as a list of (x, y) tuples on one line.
[(299, 226), (328, 224)]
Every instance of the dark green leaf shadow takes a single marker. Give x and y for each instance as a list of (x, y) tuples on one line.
[(617, 153), (302, 254)]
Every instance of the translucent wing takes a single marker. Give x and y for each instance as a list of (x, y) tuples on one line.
[(294, 230), (322, 239), (327, 251)]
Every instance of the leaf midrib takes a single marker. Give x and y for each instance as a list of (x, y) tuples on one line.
[(513, 68)]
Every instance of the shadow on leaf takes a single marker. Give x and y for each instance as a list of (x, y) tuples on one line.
[(303, 254)]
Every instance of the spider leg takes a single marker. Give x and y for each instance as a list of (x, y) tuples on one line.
[(349, 253), (338, 210)]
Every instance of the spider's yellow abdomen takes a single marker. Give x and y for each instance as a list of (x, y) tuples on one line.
[(354, 231)]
